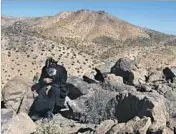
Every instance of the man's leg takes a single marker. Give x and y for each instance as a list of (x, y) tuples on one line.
[(60, 93)]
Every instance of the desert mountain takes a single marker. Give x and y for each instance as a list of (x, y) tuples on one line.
[(80, 40)]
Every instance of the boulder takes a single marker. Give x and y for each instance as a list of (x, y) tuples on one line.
[(103, 104), (139, 76), (124, 64), (17, 94), (123, 68), (20, 124), (133, 126), (115, 83), (127, 105), (154, 75), (90, 107), (79, 84), (112, 78), (170, 95)]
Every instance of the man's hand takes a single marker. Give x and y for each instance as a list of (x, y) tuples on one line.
[(47, 80)]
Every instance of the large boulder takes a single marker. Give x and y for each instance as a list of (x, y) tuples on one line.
[(20, 124), (123, 68), (122, 106), (90, 107), (17, 94), (127, 105)]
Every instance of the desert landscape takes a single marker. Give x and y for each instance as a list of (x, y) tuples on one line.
[(82, 41)]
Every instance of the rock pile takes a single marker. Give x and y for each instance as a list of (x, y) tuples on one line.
[(116, 106)]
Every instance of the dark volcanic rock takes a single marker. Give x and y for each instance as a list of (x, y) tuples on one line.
[(99, 76), (169, 74), (123, 68), (88, 80)]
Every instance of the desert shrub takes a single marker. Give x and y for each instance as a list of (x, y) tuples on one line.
[(97, 105), (48, 129), (9, 54)]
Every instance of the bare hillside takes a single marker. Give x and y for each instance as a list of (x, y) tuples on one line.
[(80, 40)]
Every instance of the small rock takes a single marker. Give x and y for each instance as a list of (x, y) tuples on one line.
[(133, 126), (104, 126), (6, 116)]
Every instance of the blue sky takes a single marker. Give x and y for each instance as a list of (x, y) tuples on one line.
[(160, 16)]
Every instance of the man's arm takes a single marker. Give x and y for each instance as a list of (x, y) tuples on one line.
[(44, 77)]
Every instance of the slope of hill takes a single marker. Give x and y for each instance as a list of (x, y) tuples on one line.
[(80, 40)]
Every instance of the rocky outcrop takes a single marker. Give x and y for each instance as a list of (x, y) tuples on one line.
[(109, 107)]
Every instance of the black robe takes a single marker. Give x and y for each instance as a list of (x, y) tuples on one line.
[(56, 95)]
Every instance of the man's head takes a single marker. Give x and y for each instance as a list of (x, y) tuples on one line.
[(50, 61)]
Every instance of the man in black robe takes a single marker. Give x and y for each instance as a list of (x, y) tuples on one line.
[(52, 91)]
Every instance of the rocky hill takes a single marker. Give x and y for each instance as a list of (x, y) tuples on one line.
[(80, 40), (108, 94)]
